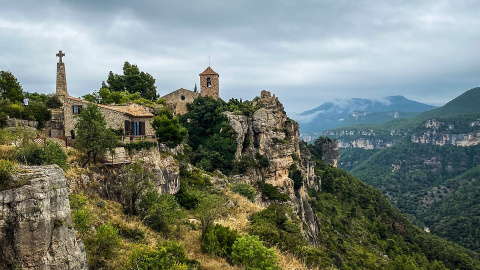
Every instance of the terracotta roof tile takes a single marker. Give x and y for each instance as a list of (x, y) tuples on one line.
[(133, 109), (209, 71)]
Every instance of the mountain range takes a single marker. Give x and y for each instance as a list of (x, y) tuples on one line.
[(428, 166), (354, 111)]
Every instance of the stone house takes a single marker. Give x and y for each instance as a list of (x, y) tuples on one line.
[(133, 119)]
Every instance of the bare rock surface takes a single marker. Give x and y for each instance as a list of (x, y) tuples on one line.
[(35, 223)]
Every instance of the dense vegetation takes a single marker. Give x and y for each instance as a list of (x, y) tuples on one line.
[(210, 136)]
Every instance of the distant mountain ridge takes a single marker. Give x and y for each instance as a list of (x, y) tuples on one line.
[(345, 112)]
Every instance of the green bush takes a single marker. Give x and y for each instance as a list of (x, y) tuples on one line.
[(243, 164), (245, 190), (276, 226), (50, 153), (219, 241), (249, 252), (31, 154), (296, 175), (262, 160), (6, 169), (270, 192), (140, 145), (168, 255), (54, 154), (160, 211), (80, 215), (103, 246)]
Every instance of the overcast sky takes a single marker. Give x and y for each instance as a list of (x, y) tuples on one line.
[(306, 52)]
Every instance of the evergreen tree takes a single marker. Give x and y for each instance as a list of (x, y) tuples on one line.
[(10, 88), (132, 81), (93, 136)]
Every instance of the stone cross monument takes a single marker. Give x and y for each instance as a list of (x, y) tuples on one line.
[(61, 90)]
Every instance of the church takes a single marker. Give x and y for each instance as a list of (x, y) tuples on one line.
[(133, 119)]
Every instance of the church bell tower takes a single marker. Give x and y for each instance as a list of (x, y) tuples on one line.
[(209, 84)]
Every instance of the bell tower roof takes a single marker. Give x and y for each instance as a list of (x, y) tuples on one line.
[(209, 71)]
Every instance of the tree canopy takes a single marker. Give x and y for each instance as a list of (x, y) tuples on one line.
[(93, 135), (167, 128), (133, 80), (10, 88)]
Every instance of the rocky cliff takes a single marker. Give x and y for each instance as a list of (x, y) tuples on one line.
[(442, 133), (269, 134), (35, 223)]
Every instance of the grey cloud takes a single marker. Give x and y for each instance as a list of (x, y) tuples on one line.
[(307, 52)]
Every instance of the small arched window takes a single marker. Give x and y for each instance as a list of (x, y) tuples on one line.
[(209, 82), (182, 97)]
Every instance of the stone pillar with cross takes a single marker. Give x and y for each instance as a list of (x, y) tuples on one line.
[(61, 89)]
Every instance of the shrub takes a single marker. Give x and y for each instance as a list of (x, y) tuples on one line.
[(262, 160), (250, 252), (140, 145), (80, 215), (245, 190), (296, 175), (31, 154), (103, 246), (219, 241), (243, 164), (160, 211), (276, 226), (50, 153), (54, 154), (6, 169), (168, 255), (270, 192)]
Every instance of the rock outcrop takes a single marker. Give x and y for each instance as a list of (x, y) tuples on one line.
[(269, 134), (35, 223), (164, 167)]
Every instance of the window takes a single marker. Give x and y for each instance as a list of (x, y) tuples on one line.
[(209, 82), (76, 109), (182, 97), (136, 128)]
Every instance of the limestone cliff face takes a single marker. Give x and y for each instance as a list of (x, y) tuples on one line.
[(269, 133), (35, 223), (165, 168), (364, 139), (440, 133)]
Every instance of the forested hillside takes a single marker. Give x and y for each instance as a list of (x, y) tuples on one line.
[(430, 167)]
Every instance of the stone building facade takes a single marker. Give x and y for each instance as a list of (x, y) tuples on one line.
[(209, 86), (178, 99), (133, 119)]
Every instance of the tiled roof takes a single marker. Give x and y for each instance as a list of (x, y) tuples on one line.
[(208, 71), (133, 109)]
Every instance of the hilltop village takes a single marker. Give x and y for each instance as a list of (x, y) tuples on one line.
[(188, 181), (133, 118)]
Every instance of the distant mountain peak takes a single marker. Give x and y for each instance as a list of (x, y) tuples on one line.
[(330, 114)]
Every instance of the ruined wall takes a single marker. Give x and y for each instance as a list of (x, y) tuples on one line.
[(35, 223)]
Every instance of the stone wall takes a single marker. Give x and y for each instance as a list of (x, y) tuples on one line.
[(14, 122), (178, 99), (35, 223), (214, 90)]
